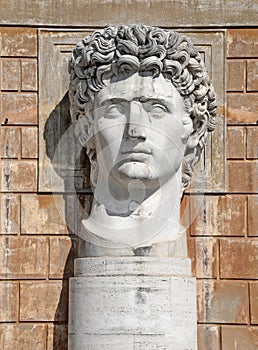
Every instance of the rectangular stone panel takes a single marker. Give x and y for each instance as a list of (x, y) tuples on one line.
[(132, 305), (239, 258), (22, 336), (81, 13), (8, 301), (23, 257), (65, 168), (43, 301), (242, 338), (214, 298)]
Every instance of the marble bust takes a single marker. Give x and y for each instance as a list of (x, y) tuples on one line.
[(142, 105)]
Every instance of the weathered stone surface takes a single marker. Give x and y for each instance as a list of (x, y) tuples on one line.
[(252, 142), (252, 210), (46, 209), (237, 337), (10, 142), (18, 176), (235, 142), (222, 302), (133, 305), (218, 215), (61, 257), (162, 13), (22, 336), (17, 41), (242, 176), (254, 302), (9, 214), (252, 75), (242, 108), (8, 300), (29, 77), (10, 75), (132, 266), (242, 43), (19, 108), (129, 342), (57, 338), (40, 301), (235, 75), (203, 252), (23, 258), (208, 337), (239, 258), (29, 142)]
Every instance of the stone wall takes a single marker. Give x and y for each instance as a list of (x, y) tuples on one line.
[(36, 256)]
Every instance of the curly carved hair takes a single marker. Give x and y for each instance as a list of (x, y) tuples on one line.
[(131, 48)]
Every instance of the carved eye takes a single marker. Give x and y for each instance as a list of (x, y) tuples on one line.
[(158, 110), (115, 111)]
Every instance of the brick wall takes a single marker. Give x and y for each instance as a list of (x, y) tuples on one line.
[(223, 238), (35, 243)]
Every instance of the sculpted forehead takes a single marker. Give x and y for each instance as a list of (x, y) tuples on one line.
[(136, 86)]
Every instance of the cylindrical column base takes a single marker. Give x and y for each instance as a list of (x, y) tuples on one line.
[(132, 303)]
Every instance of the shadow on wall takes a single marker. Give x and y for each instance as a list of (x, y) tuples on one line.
[(70, 162)]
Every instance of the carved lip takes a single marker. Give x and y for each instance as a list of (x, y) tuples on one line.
[(139, 155), (137, 151)]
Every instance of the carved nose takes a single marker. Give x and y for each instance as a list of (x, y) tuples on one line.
[(136, 128)]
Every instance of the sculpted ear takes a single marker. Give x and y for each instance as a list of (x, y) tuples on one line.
[(198, 132)]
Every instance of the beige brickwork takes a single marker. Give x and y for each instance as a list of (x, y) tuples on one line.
[(36, 253)]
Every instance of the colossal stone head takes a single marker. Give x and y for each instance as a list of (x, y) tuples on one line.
[(132, 69)]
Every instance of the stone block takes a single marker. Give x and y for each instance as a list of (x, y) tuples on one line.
[(10, 142), (242, 176), (10, 75), (9, 214), (29, 79), (222, 302), (8, 300), (252, 75), (239, 338), (23, 257), (29, 142), (41, 214), (61, 257), (252, 210), (208, 337), (159, 312), (242, 43), (161, 13), (57, 337), (19, 108), (242, 108), (43, 301), (19, 176), (239, 258), (203, 253), (235, 75), (254, 302), (18, 41), (132, 266), (104, 342), (218, 215), (235, 142), (252, 142), (22, 337)]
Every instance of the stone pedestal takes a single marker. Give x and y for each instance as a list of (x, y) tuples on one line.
[(132, 303)]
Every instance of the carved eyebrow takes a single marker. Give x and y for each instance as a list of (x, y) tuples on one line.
[(142, 99), (154, 100), (113, 100)]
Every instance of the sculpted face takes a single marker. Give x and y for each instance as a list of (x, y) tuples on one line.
[(141, 129)]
